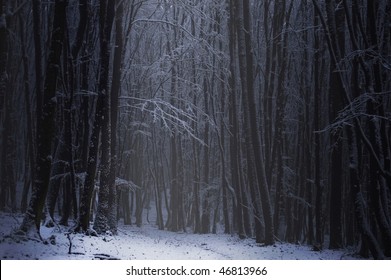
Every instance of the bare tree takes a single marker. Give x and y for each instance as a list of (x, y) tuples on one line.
[(45, 122)]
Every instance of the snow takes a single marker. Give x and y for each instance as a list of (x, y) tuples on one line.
[(149, 243)]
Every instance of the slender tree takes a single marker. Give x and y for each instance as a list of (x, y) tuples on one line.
[(106, 19)]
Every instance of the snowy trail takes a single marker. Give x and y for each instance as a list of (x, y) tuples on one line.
[(149, 243)]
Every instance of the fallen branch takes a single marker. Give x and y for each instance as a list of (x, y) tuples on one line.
[(68, 234), (105, 257)]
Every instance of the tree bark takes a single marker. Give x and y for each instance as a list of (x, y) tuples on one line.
[(246, 74), (335, 19), (45, 122), (101, 119), (115, 91), (106, 20)]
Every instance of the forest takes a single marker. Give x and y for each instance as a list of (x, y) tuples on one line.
[(262, 119)]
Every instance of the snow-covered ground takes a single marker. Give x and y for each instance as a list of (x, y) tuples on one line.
[(149, 243)]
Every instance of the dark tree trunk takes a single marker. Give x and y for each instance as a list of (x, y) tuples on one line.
[(106, 16), (317, 143), (38, 54), (105, 24), (206, 209), (30, 155), (246, 74), (57, 178), (3, 55), (174, 189), (376, 131), (7, 117), (115, 90), (45, 122), (8, 157), (359, 205), (89, 182), (335, 19), (240, 204)]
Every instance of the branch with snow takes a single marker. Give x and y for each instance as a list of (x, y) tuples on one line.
[(127, 184), (174, 119), (356, 109)]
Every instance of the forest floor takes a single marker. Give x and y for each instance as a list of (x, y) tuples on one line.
[(149, 243)]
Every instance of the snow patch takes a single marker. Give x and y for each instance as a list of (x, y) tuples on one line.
[(148, 243)]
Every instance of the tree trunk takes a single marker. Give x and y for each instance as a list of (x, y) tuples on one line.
[(115, 91), (105, 24), (358, 200), (246, 74), (335, 19), (206, 209), (3, 55), (30, 155), (45, 123), (317, 143), (101, 116)]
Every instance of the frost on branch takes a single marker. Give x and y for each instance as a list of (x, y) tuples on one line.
[(355, 110), (125, 184), (173, 119)]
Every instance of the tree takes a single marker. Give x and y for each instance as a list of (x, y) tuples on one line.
[(115, 91), (106, 18), (45, 122), (267, 118), (7, 190), (246, 77), (367, 132)]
